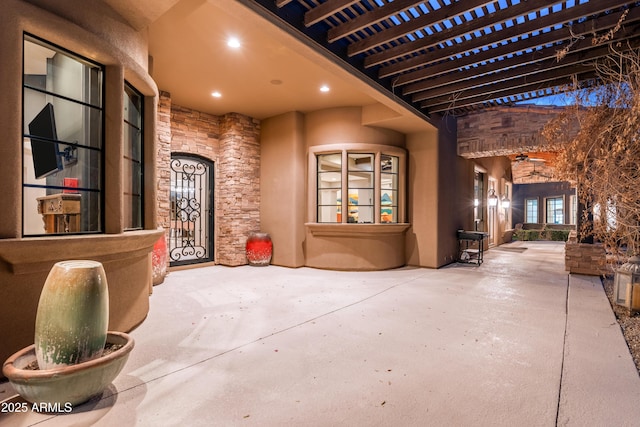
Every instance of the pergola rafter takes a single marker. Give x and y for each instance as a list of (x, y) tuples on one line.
[(448, 56)]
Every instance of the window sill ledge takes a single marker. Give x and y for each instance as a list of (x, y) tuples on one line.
[(33, 254), (355, 230)]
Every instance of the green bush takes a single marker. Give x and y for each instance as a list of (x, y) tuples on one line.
[(560, 235), (532, 235)]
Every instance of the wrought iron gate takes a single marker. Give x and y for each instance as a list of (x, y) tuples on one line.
[(191, 236)]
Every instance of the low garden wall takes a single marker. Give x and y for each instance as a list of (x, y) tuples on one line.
[(585, 258)]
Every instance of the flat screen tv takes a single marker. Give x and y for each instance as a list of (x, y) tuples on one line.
[(45, 151)]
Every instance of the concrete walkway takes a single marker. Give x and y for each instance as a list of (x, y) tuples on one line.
[(514, 342)]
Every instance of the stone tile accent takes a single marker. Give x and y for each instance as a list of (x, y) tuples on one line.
[(232, 143), (163, 129), (502, 131), (585, 258), (239, 186)]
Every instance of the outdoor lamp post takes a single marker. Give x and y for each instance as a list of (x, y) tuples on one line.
[(626, 285)]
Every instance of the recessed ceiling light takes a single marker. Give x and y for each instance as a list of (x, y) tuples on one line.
[(324, 88), (233, 42), (216, 94)]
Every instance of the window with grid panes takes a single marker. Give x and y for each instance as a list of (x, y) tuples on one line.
[(368, 195), (63, 151)]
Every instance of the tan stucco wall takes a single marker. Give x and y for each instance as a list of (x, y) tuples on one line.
[(439, 194), (344, 125), (437, 191), (349, 246), (287, 209), (355, 246), (282, 190), (99, 34), (422, 247)]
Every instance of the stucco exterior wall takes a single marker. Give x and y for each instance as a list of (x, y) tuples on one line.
[(287, 172), (438, 187), (283, 170), (349, 246), (426, 236), (344, 125), (99, 34)]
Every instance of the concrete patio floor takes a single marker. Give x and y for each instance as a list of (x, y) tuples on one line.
[(516, 341)]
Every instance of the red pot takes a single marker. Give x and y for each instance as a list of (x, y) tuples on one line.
[(159, 260), (259, 249)]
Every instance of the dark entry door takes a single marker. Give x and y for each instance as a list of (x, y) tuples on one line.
[(191, 237)]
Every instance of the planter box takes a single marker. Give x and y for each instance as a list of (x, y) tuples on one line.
[(585, 258)]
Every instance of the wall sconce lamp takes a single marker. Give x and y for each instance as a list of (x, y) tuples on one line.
[(505, 202), (492, 200), (626, 285)]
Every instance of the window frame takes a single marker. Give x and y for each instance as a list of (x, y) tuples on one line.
[(100, 149), (573, 209), (537, 210), (395, 201), (353, 148), (547, 210), (338, 206), (353, 206), (141, 130)]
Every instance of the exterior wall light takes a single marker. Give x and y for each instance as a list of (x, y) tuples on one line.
[(626, 285), (505, 202), (492, 200)]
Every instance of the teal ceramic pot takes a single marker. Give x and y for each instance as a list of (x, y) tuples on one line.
[(73, 314), (67, 385)]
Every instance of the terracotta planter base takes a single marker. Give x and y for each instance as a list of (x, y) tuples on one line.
[(74, 384)]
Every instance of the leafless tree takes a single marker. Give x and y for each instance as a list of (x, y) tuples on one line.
[(603, 158)]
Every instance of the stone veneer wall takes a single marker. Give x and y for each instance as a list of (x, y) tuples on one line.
[(239, 189), (232, 143), (584, 258), (163, 158), (502, 131)]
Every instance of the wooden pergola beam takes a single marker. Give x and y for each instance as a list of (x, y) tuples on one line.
[(424, 79), (486, 74), (504, 90), (494, 38), (325, 10), (434, 17)]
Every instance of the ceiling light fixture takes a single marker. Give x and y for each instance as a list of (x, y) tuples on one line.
[(216, 94), (324, 88), (233, 42)]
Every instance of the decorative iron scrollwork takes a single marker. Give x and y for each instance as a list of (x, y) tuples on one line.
[(190, 234)]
